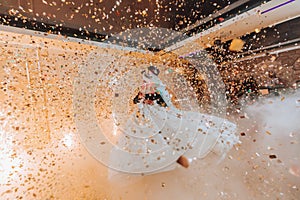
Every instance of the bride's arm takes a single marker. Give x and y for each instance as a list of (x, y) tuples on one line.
[(165, 95)]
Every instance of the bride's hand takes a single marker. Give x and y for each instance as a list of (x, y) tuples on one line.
[(139, 97)]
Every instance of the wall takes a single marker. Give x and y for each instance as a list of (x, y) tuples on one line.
[(41, 156)]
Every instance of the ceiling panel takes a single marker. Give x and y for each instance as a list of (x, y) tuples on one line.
[(117, 21)]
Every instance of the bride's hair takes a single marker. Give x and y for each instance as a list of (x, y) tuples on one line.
[(154, 70)]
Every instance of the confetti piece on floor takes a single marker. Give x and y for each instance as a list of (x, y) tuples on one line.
[(268, 132), (295, 170), (183, 161)]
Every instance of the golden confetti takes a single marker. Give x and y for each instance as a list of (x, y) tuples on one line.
[(236, 45), (268, 132)]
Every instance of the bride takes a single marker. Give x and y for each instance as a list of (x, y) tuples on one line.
[(159, 136)]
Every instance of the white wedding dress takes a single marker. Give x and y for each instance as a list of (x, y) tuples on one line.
[(153, 137)]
